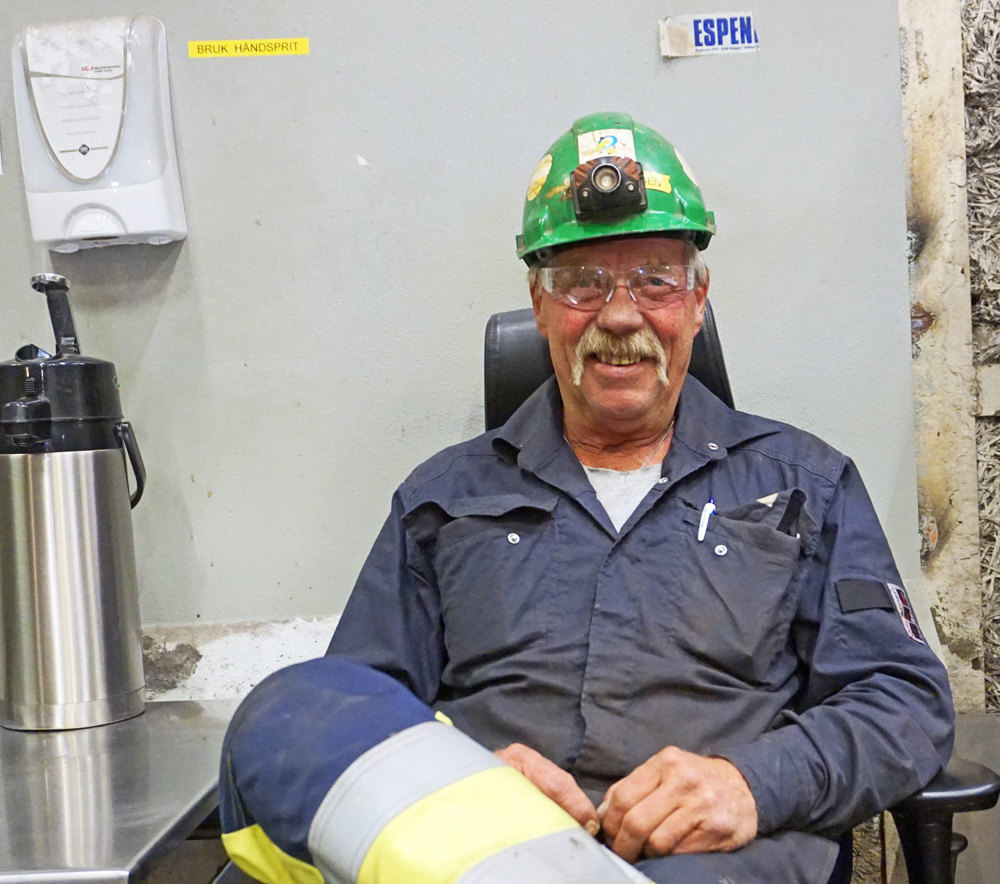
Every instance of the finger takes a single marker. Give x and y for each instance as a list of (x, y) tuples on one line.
[(511, 754), (641, 821), (698, 838), (522, 758), (558, 785), (602, 808), (678, 829), (717, 833), (555, 783), (622, 796)]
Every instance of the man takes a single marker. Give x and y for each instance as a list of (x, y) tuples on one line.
[(681, 623)]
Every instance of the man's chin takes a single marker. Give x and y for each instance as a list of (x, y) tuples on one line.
[(619, 400)]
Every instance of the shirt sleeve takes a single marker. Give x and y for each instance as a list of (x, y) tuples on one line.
[(875, 721), (392, 621)]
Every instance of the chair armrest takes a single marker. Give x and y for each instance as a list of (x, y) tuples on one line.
[(924, 820), (962, 786)]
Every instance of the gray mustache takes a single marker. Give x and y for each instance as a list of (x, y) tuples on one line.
[(641, 344)]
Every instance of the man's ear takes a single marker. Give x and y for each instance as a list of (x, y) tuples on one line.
[(538, 305), (700, 295)]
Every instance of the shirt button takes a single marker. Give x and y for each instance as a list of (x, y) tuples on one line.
[(514, 538), (712, 446), (721, 549), (663, 480)]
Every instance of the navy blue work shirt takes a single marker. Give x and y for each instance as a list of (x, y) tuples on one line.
[(499, 592)]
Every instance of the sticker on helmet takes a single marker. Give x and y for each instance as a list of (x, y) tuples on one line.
[(905, 611), (541, 173), (656, 181), (605, 143)]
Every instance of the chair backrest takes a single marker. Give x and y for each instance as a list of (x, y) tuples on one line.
[(517, 362)]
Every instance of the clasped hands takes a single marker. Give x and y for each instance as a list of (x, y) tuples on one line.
[(676, 802)]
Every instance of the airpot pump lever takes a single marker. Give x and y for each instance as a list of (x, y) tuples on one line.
[(55, 288)]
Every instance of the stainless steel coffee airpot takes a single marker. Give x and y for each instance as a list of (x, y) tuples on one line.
[(69, 614)]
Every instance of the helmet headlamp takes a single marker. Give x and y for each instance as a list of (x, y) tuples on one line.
[(608, 187), (606, 178)]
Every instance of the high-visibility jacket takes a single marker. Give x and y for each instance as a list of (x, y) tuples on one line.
[(334, 772)]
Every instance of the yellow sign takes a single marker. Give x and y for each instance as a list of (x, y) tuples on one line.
[(244, 48)]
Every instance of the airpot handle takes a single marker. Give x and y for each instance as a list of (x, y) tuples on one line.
[(55, 287), (123, 430)]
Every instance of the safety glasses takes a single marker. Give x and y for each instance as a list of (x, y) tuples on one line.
[(586, 287)]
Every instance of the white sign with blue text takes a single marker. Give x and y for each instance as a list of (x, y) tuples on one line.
[(686, 35)]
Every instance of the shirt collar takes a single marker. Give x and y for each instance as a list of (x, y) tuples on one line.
[(534, 433), (704, 425)]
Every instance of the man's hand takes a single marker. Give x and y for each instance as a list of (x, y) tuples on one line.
[(678, 802), (553, 782)]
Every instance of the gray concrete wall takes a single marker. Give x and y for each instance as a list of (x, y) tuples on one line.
[(352, 215)]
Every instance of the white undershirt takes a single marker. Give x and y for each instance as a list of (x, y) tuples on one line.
[(621, 491)]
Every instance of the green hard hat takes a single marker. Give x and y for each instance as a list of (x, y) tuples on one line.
[(609, 176)]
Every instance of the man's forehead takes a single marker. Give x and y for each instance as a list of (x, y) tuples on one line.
[(639, 249)]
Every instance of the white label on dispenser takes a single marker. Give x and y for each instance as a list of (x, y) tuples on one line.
[(76, 72)]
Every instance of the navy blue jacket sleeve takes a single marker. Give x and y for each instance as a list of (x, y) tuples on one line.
[(395, 580), (875, 721)]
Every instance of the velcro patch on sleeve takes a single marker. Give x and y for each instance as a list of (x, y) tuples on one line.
[(860, 595), (864, 595)]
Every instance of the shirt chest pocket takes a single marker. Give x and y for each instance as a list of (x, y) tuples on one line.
[(733, 603), (491, 559)]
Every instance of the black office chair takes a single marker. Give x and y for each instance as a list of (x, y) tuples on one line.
[(517, 362)]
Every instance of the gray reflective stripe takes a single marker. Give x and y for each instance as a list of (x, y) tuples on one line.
[(382, 783), (567, 857)]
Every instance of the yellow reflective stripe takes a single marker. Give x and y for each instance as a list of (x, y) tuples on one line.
[(437, 839), (444, 719), (261, 858)]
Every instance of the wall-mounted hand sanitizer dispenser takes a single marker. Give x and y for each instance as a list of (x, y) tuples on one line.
[(96, 135)]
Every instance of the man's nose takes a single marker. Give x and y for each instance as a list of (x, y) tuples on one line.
[(620, 314)]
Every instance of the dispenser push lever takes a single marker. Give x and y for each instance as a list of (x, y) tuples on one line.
[(55, 287)]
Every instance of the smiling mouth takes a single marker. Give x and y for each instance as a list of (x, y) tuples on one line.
[(617, 360)]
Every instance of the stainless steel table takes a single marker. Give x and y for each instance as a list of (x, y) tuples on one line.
[(96, 805)]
